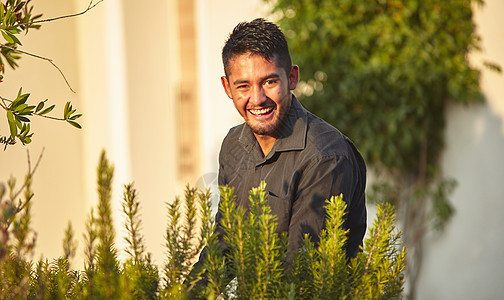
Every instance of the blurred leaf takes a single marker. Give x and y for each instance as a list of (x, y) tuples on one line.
[(66, 110), (74, 124), (12, 124), (23, 119), (47, 110), (75, 117), (493, 66), (39, 106), (7, 37), (19, 124), (20, 107)]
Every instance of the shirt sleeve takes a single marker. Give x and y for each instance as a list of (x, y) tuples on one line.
[(322, 178)]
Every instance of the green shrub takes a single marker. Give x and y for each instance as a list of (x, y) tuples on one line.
[(256, 258)]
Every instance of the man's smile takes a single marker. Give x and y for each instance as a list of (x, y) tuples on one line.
[(264, 111)]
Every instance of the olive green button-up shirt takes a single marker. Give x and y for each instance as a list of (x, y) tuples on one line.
[(309, 162)]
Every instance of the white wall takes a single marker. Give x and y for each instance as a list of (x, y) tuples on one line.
[(152, 75), (467, 260)]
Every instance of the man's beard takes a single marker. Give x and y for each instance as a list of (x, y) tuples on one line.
[(265, 129), (270, 128)]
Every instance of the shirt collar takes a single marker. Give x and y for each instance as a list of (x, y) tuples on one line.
[(292, 134)]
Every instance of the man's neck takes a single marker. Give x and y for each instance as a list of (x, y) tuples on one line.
[(266, 143)]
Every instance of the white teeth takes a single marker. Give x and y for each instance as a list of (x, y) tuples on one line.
[(261, 111)]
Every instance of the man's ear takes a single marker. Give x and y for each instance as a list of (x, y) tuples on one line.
[(227, 88), (293, 77)]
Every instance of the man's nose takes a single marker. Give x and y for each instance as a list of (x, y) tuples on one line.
[(258, 95)]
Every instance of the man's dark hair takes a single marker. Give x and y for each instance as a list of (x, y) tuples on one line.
[(258, 37)]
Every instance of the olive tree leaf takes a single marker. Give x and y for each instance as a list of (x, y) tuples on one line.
[(74, 124), (39, 106), (12, 123), (47, 110)]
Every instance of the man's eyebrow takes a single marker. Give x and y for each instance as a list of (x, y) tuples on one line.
[(269, 76), (239, 81)]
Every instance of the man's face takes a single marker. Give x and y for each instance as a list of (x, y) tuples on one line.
[(260, 91)]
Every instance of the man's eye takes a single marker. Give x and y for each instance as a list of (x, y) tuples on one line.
[(270, 81)]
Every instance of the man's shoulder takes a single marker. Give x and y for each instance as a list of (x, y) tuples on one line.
[(326, 139), (231, 141), (234, 133)]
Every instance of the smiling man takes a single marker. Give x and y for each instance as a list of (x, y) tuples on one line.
[(302, 159)]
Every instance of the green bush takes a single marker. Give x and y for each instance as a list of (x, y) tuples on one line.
[(256, 258)]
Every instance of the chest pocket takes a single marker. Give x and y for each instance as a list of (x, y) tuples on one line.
[(282, 209)]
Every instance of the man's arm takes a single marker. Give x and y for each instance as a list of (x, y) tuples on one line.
[(322, 178)]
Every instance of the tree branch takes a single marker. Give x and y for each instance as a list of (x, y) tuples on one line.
[(30, 172), (43, 58), (22, 205), (90, 6), (4, 106), (370, 255)]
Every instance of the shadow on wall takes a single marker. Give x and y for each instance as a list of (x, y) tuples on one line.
[(469, 251)]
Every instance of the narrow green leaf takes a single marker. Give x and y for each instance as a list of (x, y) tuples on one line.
[(12, 19), (7, 16), (10, 116), (18, 122), (12, 124), (28, 110), (67, 108), (23, 119), (11, 60), (492, 66), (20, 6), (39, 106), (7, 37), (22, 98), (47, 110), (25, 110), (14, 38), (71, 112), (75, 117), (25, 130), (20, 107), (13, 30), (14, 104), (74, 124), (25, 140)]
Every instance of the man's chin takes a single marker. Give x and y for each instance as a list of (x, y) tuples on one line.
[(268, 130)]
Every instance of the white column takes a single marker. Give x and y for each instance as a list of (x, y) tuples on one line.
[(103, 88)]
